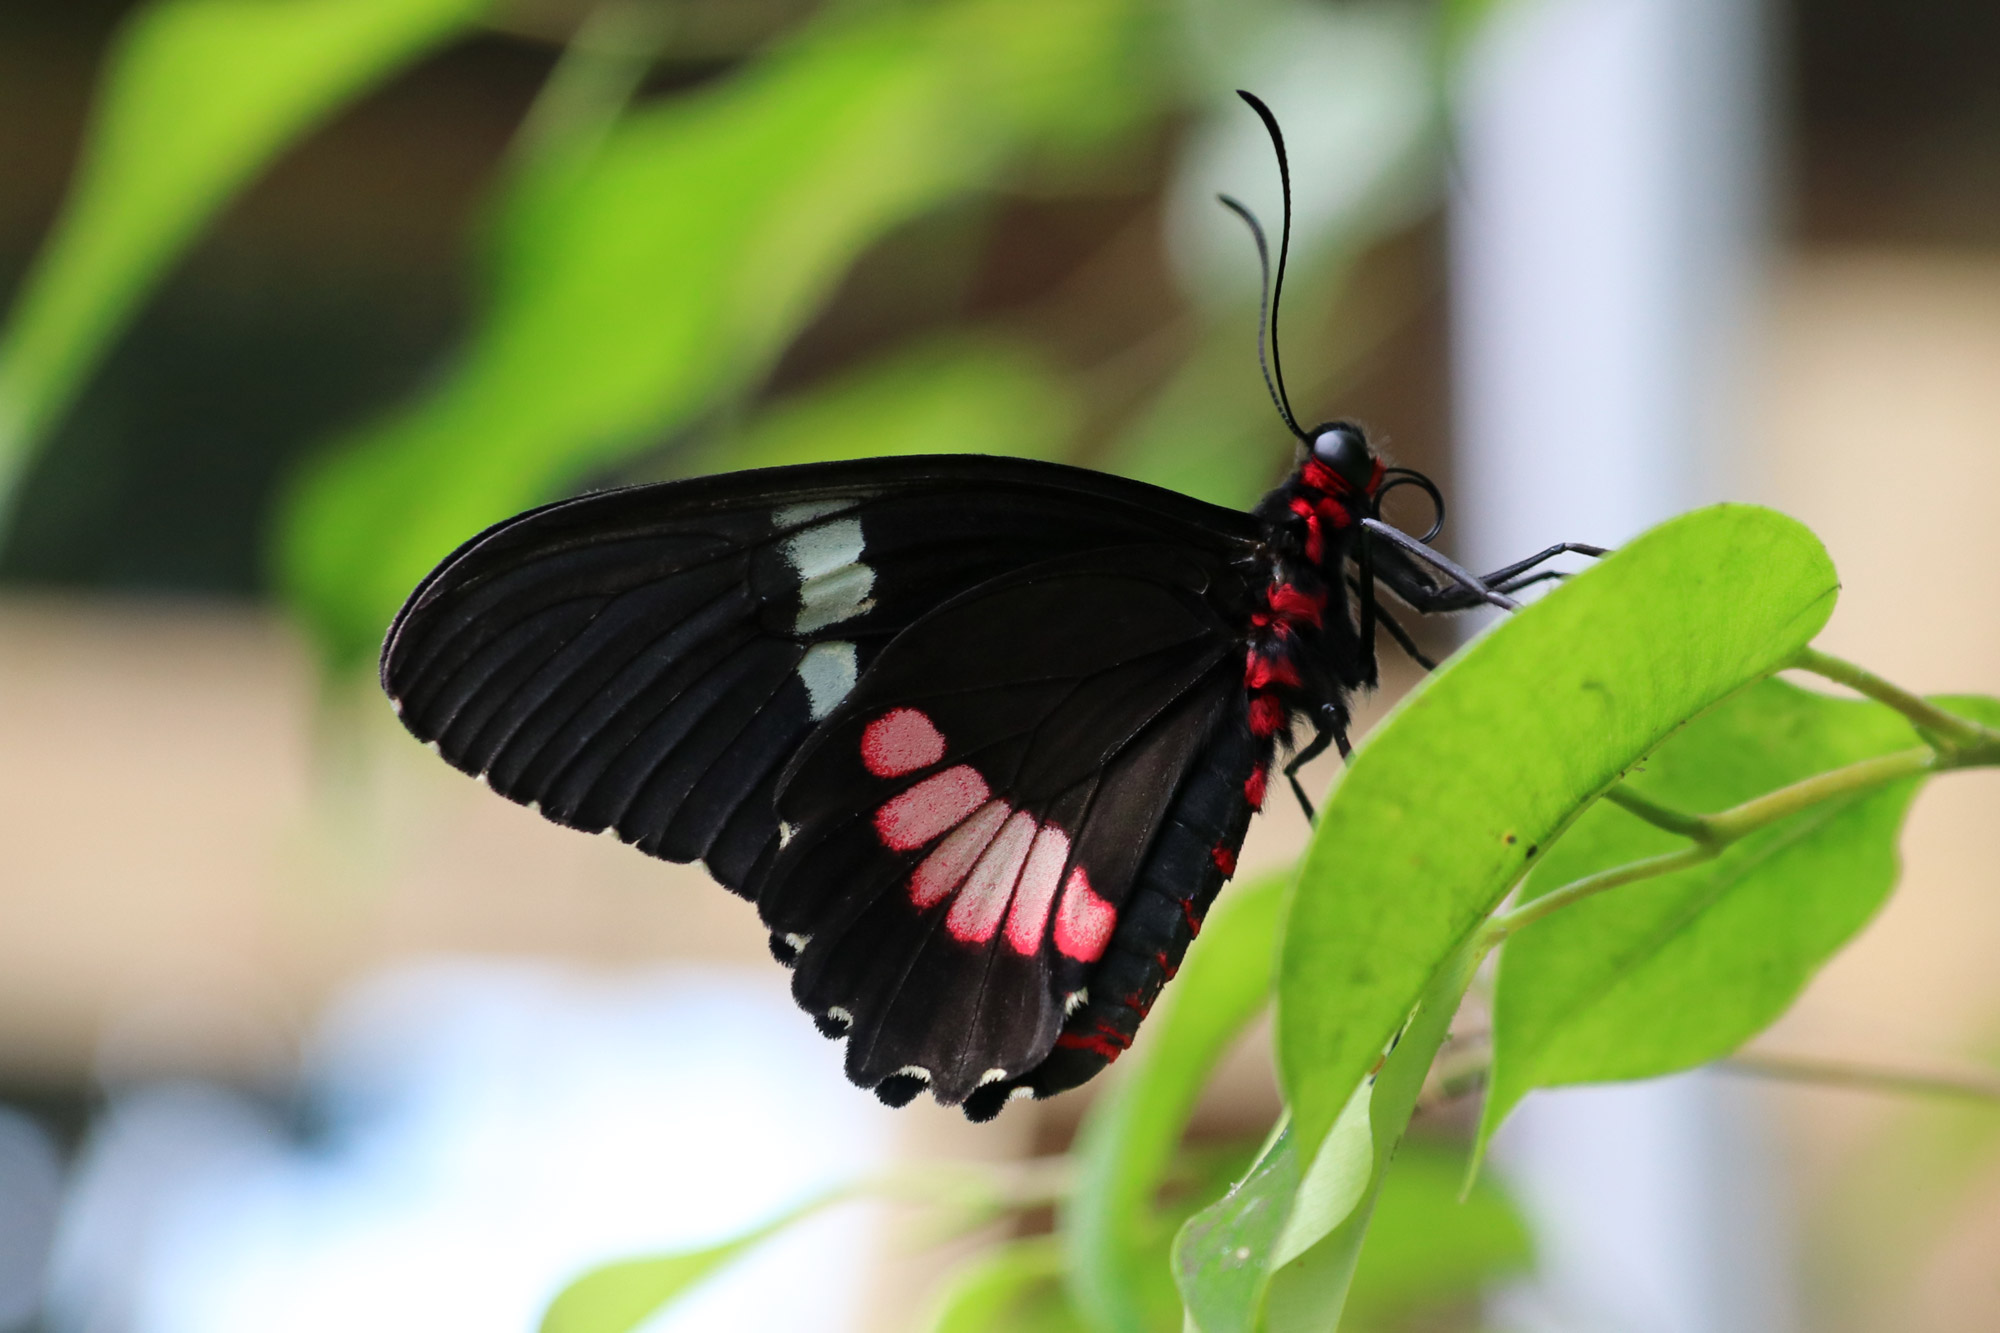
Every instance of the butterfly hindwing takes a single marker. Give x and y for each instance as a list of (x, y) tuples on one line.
[(648, 660), (967, 828)]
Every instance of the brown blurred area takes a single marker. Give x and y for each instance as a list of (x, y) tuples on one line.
[(200, 842)]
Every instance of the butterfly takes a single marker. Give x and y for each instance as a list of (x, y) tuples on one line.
[(980, 737)]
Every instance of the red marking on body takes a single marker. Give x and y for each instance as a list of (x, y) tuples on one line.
[(982, 900), (1225, 860), (1187, 915), (1322, 478), (1253, 789), (1266, 715), (1106, 1041), (900, 741), (1167, 969), (1035, 896), (1289, 603), (1334, 512), (941, 801), (1083, 920), (952, 860), (1259, 671), (1315, 543)]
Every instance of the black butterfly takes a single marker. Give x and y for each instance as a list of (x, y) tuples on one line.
[(979, 736)]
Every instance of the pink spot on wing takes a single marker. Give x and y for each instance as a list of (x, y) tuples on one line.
[(1036, 893), (941, 801), (900, 741), (1084, 920), (952, 860), (982, 900)]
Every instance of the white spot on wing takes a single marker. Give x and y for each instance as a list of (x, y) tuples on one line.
[(828, 670), (825, 548), (785, 832), (1074, 1001), (839, 1015), (992, 1076), (1021, 1093), (831, 598), (805, 512), (798, 942), (833, 583), (917, 1072)]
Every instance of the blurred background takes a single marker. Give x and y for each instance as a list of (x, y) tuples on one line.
[(299, 1029)]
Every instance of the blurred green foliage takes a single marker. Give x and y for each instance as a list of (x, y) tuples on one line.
[(199, 96)]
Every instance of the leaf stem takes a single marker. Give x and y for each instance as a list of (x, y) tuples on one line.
[(1463, 1072), (1947, 730), (1507, 923), (1710, 834), (1803, 1069), (1761, 812), (1661, 816)]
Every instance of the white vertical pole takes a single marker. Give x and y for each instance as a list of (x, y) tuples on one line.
[(1605, 239)]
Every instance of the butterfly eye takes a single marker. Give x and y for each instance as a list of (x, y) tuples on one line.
[(1343, 448)]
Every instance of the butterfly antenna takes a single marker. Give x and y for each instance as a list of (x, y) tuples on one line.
[(1263, 307), (1272, 292)]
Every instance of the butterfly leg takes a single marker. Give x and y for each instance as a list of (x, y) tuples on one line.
[(1330, 728), (1515, 585), (1460, 589), (1506, 572), (1397, 565), (1403, 639)]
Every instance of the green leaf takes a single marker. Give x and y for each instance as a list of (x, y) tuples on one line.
[(196, 97), (1128, 1140), (623, 1295), (1011, 1286), (1337, 1181), (1225, 1254), (1492, 757), (961, 395), (1669, 973), (657, 278), (1284, 1248), (1426, 1247), (1222, 1255), (1308, 1294)]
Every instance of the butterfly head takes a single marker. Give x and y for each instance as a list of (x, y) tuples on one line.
[(1341, 448)]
